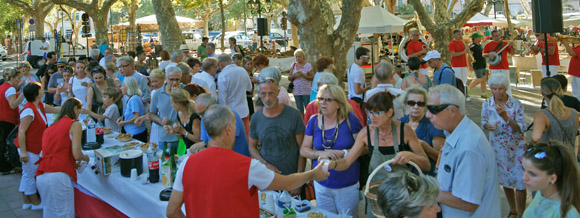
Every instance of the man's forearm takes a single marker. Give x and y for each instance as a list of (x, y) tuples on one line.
[(153, 117), (448, 199)]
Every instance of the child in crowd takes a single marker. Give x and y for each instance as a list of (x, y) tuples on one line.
[(111, 112)]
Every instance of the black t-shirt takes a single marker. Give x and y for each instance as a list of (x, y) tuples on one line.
[(569, 101), (41, 71), (189, 128), (477, 51)]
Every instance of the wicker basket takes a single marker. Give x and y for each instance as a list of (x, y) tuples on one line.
[(372, 188)]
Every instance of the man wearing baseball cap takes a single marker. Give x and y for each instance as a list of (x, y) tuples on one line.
[(478, 64), (442, 73)]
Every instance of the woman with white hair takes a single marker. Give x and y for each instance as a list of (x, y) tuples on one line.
[(301, 75), (132, 110), (404, 194), (326, 78), (503, 116)]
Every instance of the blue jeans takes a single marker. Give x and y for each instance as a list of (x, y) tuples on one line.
[(302, 101)]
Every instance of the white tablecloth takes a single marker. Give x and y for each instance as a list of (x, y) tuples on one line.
[(133, 199)]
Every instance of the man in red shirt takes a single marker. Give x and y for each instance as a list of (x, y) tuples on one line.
[(495, 46), (574, 67), (458, 51), (553, 56), (417, 48), (217, 182)]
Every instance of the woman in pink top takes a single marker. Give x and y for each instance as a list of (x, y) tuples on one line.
[(301, 75)]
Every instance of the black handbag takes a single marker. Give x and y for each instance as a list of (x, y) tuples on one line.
[(11, 155)]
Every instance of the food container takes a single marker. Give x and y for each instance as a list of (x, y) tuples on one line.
[(107, 131), (108, 159), (131, 159), (124, 137)]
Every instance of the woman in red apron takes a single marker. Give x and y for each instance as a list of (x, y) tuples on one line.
[(61, 148)]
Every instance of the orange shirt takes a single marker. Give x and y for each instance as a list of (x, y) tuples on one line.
[(503, 64), (457, 61), (553, 60), (574, 67), (414, 47)]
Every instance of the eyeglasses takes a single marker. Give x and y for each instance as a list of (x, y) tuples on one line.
[(540, 153), (375, 113), (365, 56), (435, 109), (320, 99), (174, 79), (418, 103)]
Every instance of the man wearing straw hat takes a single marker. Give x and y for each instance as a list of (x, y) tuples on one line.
[(217, 182), (467, 172)]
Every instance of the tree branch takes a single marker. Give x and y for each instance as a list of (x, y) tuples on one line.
[(470, 10), (351, 10), (25, 6), (426, 20), (450, 8), (78, 4)]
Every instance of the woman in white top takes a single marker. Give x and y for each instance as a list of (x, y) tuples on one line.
[(80, 83)]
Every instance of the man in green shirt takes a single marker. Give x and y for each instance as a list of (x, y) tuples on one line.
[(201, 52)]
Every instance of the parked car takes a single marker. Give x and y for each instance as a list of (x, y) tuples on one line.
[(33, 54), (279, 39), (3, 53), (192, 39)]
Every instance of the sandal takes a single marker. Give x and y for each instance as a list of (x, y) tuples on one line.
[(512, 214)]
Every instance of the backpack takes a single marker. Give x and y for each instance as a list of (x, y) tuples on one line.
[(458, 82)]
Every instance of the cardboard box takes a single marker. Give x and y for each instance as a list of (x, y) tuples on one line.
[(108, 159)]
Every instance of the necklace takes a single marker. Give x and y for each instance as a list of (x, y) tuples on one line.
[(552, 196), (326, 141)]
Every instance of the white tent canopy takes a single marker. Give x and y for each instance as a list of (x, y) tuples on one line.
[(149, 23), (518, 23), (377, 20), (572, 21), (481, 20), (152, 19)]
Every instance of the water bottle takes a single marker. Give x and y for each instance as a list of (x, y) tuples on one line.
[(91, 131), (153, 163)]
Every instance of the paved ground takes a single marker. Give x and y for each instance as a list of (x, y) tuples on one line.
[(11, 200)]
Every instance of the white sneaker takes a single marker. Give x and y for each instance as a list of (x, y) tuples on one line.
[(26, 206), (36, 207)]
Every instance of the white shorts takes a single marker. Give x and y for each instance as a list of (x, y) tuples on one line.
[(576, 87), (461, 73), (337, 200), (57, 193), (553, 70), (27, 181), (507, 74)]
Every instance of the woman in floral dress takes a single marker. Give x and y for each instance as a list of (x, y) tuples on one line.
[(503, 116)]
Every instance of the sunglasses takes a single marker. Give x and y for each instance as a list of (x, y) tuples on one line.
[(320, 99), (539, 152), (67, 70), (418, 103), (375, 113), (435, 109)]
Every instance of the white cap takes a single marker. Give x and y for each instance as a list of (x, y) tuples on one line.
[(431, 55), (183, 47)]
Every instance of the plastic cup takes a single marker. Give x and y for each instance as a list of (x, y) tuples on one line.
[(325, 164), (134, 176)]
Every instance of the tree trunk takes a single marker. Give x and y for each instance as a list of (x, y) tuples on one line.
[(100, 31), (39, 25), (205, 21), (507, 14), (488, 7), (391, 5), (223, 18), (132, 12), (314, 21), (295, 40), (171, 36)]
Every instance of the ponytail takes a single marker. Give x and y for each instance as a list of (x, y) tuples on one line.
[(552, 90), (191, 106), (567, 182)]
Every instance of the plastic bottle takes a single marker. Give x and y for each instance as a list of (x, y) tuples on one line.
[(153, 164), (91, 131), (166, 167), (100, 132)]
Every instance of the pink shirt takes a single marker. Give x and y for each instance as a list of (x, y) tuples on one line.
[(302, 86)]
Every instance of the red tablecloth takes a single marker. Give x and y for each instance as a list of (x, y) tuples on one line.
[(88, 206)]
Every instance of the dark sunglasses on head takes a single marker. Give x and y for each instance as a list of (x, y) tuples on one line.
[(435, 109), (67, 70), (413, 103)]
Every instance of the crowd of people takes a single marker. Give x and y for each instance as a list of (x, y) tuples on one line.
[(231, 110)]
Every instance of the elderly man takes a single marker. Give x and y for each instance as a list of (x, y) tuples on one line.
[(126, 66), (279, 129), (417, 48), (210, 66), (385, 77), (467, 171), (442, 73), (109, 54), (185, 72), (356, 76), (233, 82), (204, 101), (496, 45), (175, 59), (211, 50), (226, 175), (161, 111)]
